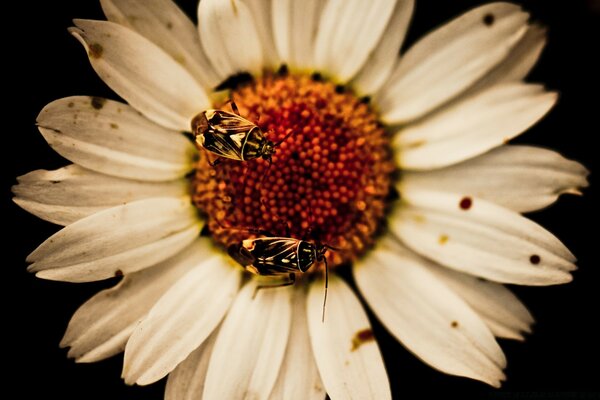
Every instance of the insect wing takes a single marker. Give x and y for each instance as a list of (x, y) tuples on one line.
[(227, 123), (226, 146), (226, 134), (275, 255)]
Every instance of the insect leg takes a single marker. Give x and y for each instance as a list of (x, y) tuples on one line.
[(214, 163), (291, 280), (250, 230), (234, 108), (265, 174)]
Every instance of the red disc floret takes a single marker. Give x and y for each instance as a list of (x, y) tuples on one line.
[(329, 180)]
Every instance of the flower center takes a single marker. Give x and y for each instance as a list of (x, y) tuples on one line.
[(329, 180)]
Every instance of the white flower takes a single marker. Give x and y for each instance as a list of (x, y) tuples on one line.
[(434, 277)]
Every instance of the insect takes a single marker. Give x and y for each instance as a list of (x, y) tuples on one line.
[(229, 135), (278, 256)]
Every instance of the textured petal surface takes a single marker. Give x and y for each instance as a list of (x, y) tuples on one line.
[(261, 11), (117, 241), (346, 352), (229, 37), (180, 321), (427, 317), (142, 73), (522, 178), (250, 347), (349, 32), (480, 238), (112, 138), (295, 26), (68, 194), (165, 25), (299, 377), (387, 53), (473, 126), (101, 327), (450, 59), (520, 60), (186, 382), (499, 308)]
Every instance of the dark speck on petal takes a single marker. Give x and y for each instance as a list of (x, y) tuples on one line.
[(98, 102), (465, 203)]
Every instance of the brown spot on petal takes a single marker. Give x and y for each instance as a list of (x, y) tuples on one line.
[(415, 144), (361, 337), (71, 104), (418, 218), (98, 102), (465, 203), (51, 129), (95, 50), (443, 239), (489, 19), (169, 25), (535, 259), (180, 59), (234, 7), (454, 324), (114, 126), (118, 273)]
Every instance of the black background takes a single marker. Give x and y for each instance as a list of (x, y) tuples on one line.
[(46, 63)]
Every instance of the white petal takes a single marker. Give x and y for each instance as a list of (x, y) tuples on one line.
[(164, 24), (346, 352), (295, 25), (449, 60), (480, 238), (55, 213), (386, 55), (142, 73), (501, 310), (520, 60), (112, 138), (349, 31), (229, 37), (473, 126), (299, 377), (261, 12), (186, 382), (521, 178), (180, 321), (427, 317), (71, 193), (101, 327), (250, 347), (119, 240)]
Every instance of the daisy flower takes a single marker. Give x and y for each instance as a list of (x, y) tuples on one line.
[(399, 163)]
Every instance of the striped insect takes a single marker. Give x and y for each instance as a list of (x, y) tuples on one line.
[(229, 135), (280, 256)]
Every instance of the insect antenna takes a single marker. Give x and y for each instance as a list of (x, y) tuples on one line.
[(290, 133), (326, 286)]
